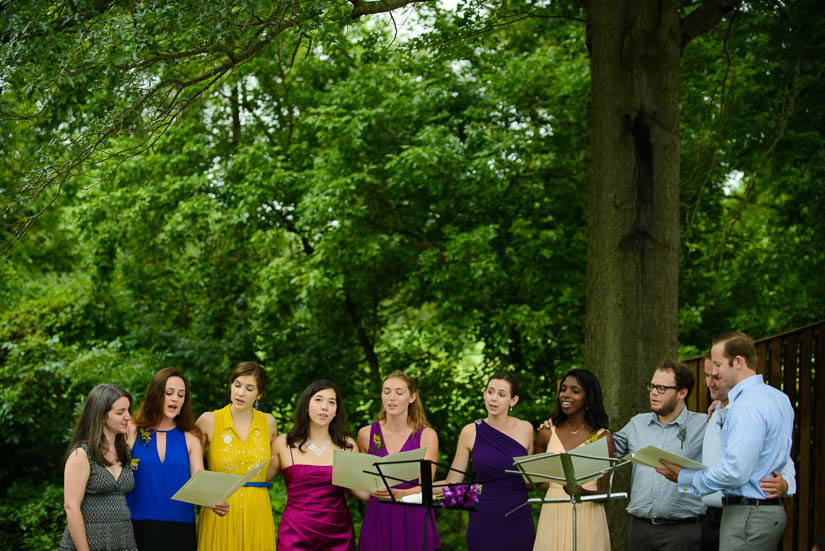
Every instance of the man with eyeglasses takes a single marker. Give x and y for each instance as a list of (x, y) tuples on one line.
[(756, 441), (661, 517)]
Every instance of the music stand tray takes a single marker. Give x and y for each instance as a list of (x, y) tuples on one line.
[(426, 485), (573, 469)]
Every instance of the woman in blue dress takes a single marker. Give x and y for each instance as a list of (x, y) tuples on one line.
[(166, 450)]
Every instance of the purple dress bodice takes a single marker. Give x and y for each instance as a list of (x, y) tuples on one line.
[(316, 514), (390, 527), (489, 528)]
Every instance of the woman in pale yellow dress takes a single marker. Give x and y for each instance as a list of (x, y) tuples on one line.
[(239, 437), (580, 419)]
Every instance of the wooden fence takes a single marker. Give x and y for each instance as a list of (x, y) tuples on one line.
[(789, 362)]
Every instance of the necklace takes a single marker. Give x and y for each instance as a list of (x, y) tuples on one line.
[(575, 432), (318, 450)]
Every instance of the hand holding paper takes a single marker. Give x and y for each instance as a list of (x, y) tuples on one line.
[(651, 455), (350, 469), (669, 470)]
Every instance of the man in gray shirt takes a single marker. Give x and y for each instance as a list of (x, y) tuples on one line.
[(661, 517)]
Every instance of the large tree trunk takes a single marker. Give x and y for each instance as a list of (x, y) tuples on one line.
[(633, 241)]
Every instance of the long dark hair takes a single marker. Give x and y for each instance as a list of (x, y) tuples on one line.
[(299, 433), (89, 427), (150, 413), (594, 414)]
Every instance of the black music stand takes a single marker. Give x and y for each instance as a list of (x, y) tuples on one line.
[(426, 484)]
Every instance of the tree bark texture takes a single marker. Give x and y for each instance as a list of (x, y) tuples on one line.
[(633, 210)]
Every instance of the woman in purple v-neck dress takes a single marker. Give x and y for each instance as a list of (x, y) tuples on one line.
[(492, 443), (401, 426)]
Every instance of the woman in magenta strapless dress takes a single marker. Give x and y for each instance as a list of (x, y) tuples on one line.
[(316, 515), (492, 443), (401, 426)]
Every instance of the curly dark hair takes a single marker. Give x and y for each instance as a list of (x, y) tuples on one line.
[(594, 414), (684, 375)]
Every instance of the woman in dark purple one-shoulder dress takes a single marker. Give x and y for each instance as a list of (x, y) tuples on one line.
[(401, 426), (492, 443)]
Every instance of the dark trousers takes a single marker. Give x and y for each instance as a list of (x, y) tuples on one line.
[(710, 529), (642, 535)]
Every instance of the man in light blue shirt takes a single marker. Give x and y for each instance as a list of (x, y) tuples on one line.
[(756, 441), (782, 484), (661, 518)]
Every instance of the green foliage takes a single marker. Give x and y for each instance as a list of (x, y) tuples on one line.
[(338, 207), (751, 251), (33, 518)]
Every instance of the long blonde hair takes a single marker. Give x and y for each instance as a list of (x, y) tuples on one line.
[(415, 412)]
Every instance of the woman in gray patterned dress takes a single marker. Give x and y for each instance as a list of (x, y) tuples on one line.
[(98, 474)]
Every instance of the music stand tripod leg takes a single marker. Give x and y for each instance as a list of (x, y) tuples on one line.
[(572, 487), (426, 496)]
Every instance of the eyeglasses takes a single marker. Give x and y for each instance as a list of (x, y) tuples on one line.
[(660, 389)]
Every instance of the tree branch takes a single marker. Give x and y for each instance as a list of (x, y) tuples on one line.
[(363, 338), (726, 84), (361, 7), (705, 17), (789, 100)]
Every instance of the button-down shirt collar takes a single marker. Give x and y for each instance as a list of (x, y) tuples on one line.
[(652, 495)]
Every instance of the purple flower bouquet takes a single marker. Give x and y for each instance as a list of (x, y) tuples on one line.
[(460, 496)]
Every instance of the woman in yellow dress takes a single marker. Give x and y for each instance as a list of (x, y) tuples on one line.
[(239, 437), (580, 419)]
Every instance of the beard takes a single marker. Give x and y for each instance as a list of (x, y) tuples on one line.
[(665, 407)]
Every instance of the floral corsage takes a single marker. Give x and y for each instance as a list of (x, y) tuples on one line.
[(133, 463), (683, 436), (460, 496), (377, 444), (145, 435)]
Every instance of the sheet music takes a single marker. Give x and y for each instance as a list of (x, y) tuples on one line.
[(650, 456), (210, 487), (588, 462), (348, 469)]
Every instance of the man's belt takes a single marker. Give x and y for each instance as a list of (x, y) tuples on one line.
[(669, 521), (740, 500)]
